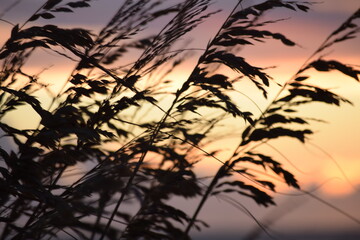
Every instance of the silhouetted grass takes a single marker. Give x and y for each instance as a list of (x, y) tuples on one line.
[(104, 116)]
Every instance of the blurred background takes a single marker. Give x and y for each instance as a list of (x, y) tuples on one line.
[(328, 168)]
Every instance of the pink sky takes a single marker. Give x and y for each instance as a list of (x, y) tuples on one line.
[(340, 138)]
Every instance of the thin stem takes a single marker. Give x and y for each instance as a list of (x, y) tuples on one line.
[(14, 208), (215, 179), (153, 136), (203, 199), (32, 16), (301, 69), (136, 169)]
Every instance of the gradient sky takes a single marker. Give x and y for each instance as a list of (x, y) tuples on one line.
[(340, 138)]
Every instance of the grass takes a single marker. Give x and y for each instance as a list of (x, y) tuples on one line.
[(142, 133)]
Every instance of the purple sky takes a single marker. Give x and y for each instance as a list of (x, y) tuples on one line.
[(309, 30)]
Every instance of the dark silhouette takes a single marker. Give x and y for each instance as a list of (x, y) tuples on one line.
[(106, 104)]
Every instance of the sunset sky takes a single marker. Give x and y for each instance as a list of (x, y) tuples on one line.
[(336, 148)]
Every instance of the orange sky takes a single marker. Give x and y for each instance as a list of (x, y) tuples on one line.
[(340, 138)]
